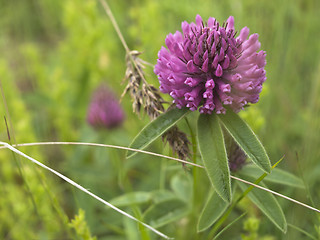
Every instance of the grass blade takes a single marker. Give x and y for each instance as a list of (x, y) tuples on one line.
[(302, 231)]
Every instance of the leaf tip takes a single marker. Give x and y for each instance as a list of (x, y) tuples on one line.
[(268, 170), (264, 165), (226, 195)]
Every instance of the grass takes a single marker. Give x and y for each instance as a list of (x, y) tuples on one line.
[(54, 53)]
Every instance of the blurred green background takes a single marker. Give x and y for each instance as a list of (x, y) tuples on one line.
[(55, 53)]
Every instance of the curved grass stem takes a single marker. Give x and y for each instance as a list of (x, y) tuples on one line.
[(115, 25), (6, 145), (83, 189)]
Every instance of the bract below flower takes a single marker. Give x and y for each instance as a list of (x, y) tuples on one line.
[(207, 67)]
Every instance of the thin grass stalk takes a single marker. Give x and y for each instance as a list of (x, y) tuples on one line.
[(118, 31), (10, 132), (6, 145), (84, 190), (302, 231), (229, 225)]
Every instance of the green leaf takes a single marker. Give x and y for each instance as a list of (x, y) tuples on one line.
[(212, 211), (276, 176), (303, 231), (228, 226), (246, 139), (162, 195), (131, 198), (165, 212), (213, 153), (156, 128), (268, 204), (130, 229), (181, 184)]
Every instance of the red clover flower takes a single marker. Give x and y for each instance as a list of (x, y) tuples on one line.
[(104, 110), (208, 67)]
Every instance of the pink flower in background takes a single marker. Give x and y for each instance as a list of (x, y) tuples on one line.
[(208, 67), (104, 109), (237, 158)]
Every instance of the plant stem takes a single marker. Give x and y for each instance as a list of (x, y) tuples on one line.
[(162, 179), (194, 160), (123, 41), (10, 131), (229, 225), (302, 231), (196, 188)]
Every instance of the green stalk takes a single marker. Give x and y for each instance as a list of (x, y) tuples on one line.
[(302, 231), (229, 225), (196, 199), (162, 179), (195, 170), (16, 159), (136, 210), (108, 11)]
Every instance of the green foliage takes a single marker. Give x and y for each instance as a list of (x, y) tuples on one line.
[(156, 128), (165, 212), (132, 198), (246, 140), (268, 204), (277, 176), (80, 226), (54, 53), (213, 153), (25, 187), (181, 184), (212, 211), (251, 226)]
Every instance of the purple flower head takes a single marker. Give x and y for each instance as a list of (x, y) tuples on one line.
[(104, 109), (208, 67)]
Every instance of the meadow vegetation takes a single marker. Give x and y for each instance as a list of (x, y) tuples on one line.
[(55, 53)]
